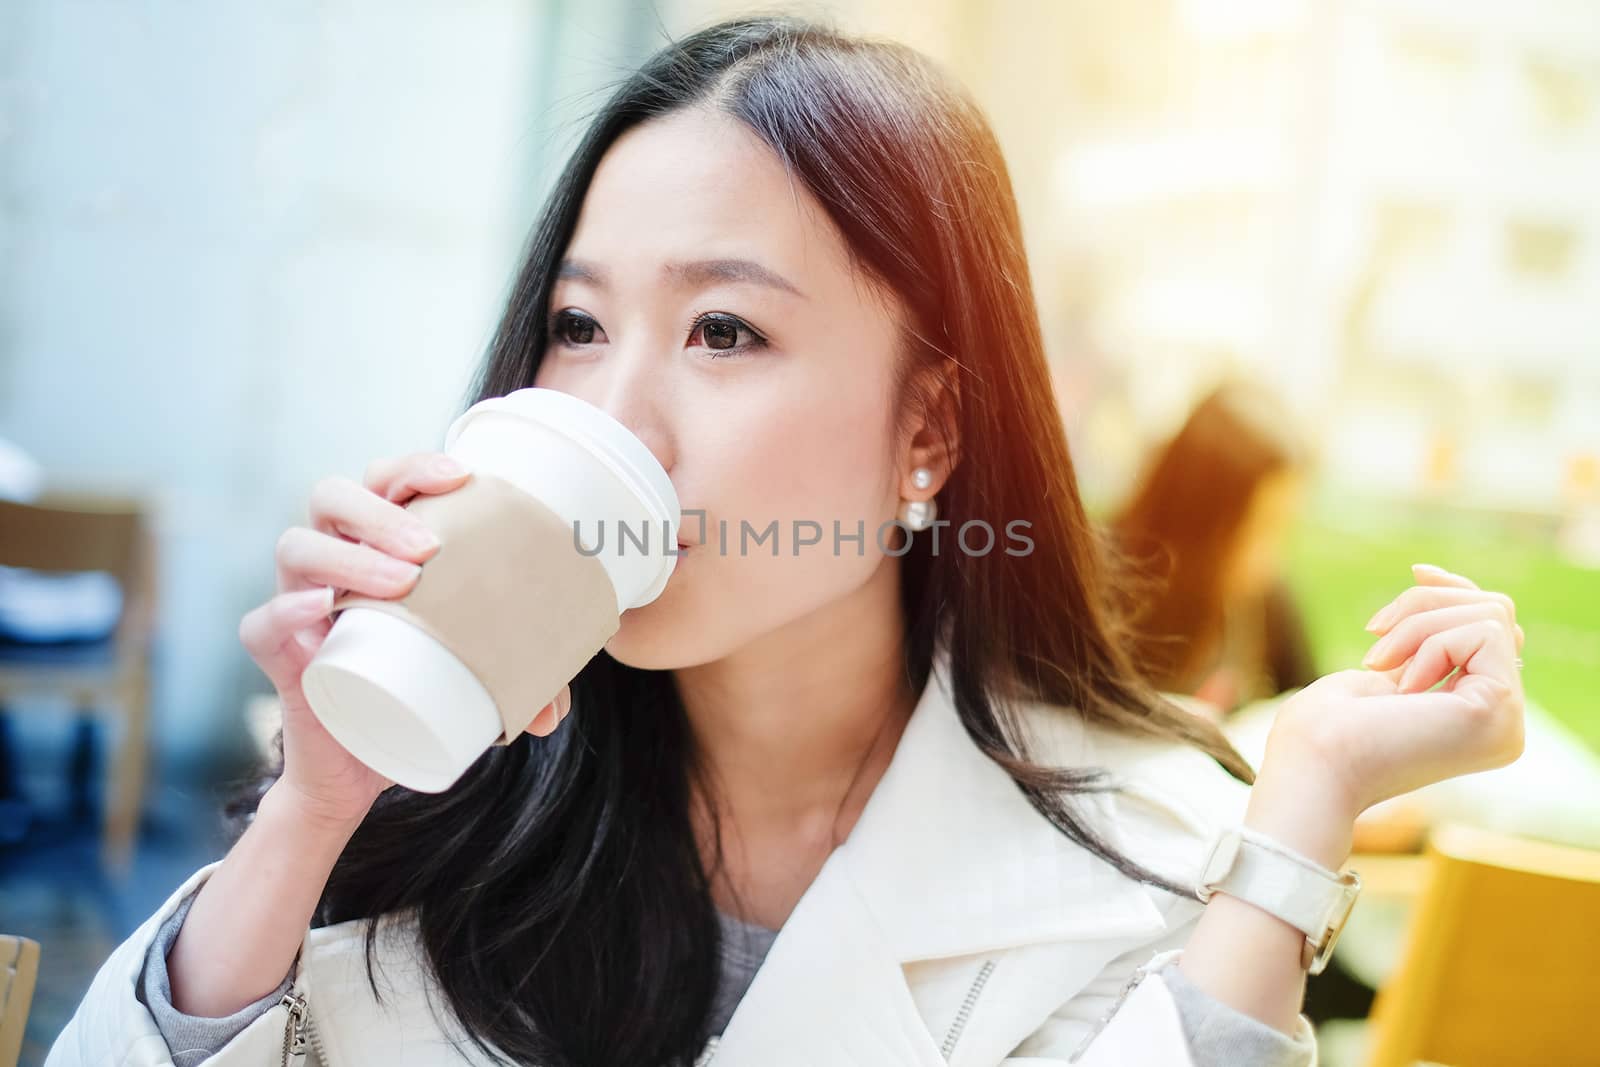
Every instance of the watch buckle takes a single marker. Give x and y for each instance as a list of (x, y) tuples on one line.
[(1317, 953), (1219, 861)]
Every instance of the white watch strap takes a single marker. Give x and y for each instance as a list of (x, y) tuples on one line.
[(1260, 871)]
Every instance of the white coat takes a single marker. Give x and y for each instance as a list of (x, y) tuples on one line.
[(955, 926)]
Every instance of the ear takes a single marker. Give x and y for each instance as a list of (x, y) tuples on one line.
[(932, 434)]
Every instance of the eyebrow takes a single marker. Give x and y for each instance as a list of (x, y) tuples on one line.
[(695, 272)]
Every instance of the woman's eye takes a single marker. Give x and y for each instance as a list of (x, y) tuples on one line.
[(574, 327), (721, 333)]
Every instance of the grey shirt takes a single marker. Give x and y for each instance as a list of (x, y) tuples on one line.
[(1218, 1035)]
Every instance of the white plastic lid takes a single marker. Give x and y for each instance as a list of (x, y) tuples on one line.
[(610, 441)]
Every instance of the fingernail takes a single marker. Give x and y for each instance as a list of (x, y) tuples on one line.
[(563, 703), (399, 569), (320, 600), (1429, 567), (1372, 623), (421, 539), (445, 467)]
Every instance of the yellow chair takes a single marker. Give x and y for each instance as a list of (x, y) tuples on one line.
[(93, 533), (1500, 959), (19, 970)]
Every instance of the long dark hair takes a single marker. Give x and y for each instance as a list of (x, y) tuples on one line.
[(560, 895)]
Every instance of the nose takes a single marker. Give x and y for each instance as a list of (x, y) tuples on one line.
[(629, 392)]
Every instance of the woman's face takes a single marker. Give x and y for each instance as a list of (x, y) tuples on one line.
[(707, 303)]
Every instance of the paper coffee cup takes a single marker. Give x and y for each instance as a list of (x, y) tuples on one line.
[(409, 703), (548, 443)]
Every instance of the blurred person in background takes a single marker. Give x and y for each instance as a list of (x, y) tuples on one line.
[(1206, 526)]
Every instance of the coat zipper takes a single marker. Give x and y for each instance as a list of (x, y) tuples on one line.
[(965, 1013), (1140, 973), (300, 1031), (294, 1034)]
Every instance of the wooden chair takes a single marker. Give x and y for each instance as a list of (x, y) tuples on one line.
[(1499, 962), (19, 971), (80, 533)]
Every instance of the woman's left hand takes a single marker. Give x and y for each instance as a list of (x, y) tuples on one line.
[(1356, 737)]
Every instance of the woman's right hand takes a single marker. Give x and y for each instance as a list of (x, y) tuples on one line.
[(362, 539), (246, 926)]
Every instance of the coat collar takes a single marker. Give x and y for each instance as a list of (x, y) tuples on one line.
[(951, 857), (947, 859)]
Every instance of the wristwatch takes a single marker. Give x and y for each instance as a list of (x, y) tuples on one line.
[(1247, 864)]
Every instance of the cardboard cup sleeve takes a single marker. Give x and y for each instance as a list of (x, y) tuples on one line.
[(508, 593)]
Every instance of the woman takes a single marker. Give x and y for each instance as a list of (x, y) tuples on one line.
[(1208, 520), (791, 263)]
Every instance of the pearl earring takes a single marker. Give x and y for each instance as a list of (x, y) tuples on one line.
[(919, 514)]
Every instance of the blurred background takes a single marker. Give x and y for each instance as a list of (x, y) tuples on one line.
[(244, 246)]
